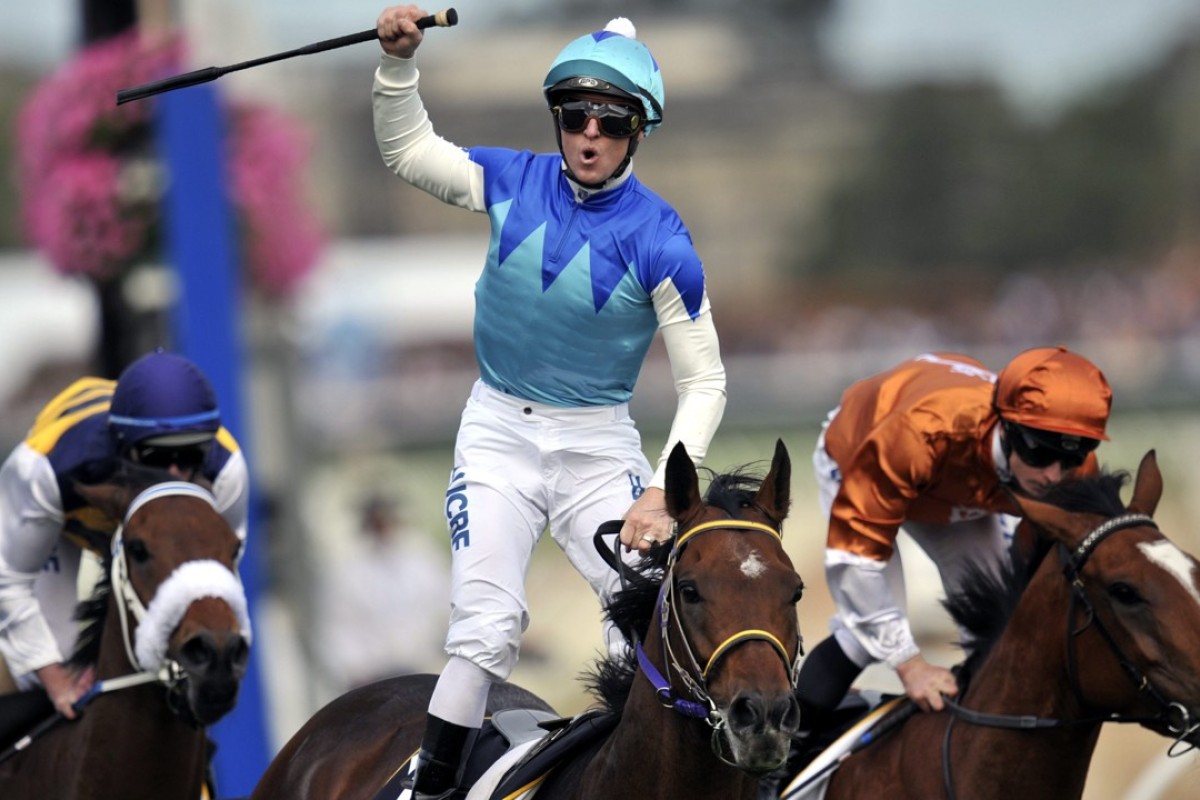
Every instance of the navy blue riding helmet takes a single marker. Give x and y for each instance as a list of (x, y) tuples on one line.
[(163, 399)]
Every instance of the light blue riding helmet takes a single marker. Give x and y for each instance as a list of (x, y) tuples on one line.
[(611, 62), (163, 399)]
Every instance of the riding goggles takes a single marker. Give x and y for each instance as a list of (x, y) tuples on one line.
[(186, 457), (1040, 449), (616, 121)]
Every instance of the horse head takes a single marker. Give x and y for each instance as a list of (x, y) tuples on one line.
[(1135, 618), (731, 591), (172, 582)]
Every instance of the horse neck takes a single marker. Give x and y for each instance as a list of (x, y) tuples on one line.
[(1026, 673), (662, 752), (134, 726)]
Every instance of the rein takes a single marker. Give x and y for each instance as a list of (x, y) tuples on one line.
[(98, 688), (1173, 714), (692, 675)]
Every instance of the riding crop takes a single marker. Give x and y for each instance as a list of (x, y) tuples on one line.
[(442, 19)]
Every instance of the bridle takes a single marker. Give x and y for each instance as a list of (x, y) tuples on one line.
[(695, 678), (1172, 714), (146, 648)]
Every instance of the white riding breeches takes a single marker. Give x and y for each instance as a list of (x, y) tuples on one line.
[(521, 468)]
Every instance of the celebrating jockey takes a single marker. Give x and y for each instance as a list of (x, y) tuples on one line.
[(584, 266)]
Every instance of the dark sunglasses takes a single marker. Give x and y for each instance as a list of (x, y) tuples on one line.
[(616, 121), (185, 457), (1040, 449)]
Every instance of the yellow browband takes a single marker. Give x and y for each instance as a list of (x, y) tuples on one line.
[(726, 523)]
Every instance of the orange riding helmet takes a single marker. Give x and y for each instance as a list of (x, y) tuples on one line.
[(1053, 389)]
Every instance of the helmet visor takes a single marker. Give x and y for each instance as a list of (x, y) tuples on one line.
[(1039, 448)]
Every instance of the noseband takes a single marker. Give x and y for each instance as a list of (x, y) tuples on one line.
[(691, 674)]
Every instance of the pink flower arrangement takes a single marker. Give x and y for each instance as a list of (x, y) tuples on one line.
[(91, 186)]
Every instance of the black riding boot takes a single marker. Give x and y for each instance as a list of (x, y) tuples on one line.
[(443, 757), (825, 677)]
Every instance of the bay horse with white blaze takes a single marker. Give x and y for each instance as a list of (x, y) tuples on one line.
[(703, 704), (1103, 625), (168, 637)]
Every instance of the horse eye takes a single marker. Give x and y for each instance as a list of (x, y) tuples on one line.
[(688, 593), (1124, 594), (798, 595), (137, 550)]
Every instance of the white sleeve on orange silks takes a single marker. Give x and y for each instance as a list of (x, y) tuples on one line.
[(867, 607), (408, 144), (695, 355), (31, 521)]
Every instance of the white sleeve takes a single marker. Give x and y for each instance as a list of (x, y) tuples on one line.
[(408, 144), (31, 521), (867, 608), (232, 491), (695, 355)]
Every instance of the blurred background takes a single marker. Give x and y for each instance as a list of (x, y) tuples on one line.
[(865, 180)]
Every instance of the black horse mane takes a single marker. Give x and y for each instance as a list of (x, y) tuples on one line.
[(92, 612), (632, 608), (988, 599)]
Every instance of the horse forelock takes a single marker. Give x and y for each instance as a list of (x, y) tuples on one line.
[(735, 491)]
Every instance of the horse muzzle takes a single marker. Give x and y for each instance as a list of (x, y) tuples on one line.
[(214, 670), (758, 730)]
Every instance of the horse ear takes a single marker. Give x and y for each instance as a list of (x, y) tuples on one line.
[(775, 494), (1050, 520), (1147, 487), (682, 484), (110, 498)]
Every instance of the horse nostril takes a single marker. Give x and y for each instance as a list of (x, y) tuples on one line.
[(198, 653), (747, 712), (789, 713), (237, 652), (755, 713)]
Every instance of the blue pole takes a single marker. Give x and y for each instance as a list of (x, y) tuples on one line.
[(201, 244)]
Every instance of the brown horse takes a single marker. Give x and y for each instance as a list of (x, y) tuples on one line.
[(706, 700), (1107, 630), (168, 638)]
